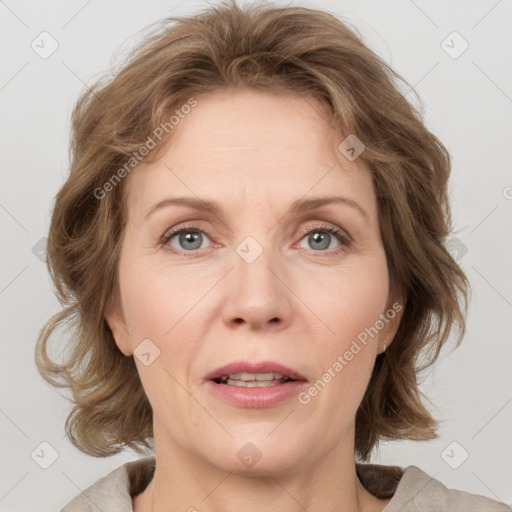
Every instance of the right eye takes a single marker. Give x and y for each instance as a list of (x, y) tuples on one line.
[(188, 239)]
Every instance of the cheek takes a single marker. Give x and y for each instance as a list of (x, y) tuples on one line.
[(157, 306), (348, 300), (164, 306), (350, 309), (156, 299)]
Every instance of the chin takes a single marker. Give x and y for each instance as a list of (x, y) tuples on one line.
[(257, 455)]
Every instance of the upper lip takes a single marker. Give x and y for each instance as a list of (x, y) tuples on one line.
[(254, 367)]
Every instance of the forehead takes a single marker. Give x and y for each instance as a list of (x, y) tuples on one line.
[(252, 147)]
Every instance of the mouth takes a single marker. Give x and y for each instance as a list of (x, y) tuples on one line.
[(254, 374), (247, 384), (253, 380)]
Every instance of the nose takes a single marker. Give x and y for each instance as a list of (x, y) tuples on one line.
[(258, 295)]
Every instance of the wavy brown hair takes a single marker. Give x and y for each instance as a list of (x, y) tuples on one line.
[(291, 50)]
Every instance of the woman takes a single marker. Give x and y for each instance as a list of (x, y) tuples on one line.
[(250, 246)]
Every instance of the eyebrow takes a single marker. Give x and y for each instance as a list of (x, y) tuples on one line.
[(297, 206)]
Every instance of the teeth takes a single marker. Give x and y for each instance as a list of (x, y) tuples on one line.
[(247, 377), (253, 384), (254, 380)]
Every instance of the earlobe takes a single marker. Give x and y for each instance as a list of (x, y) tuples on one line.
[(116, 321)]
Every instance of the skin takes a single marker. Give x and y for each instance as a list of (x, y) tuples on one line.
[(253, 153)]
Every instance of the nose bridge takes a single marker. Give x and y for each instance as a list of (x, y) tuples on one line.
[(255, 256), (258, 295)]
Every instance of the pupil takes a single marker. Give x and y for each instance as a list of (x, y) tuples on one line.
[(191, 237), (325, 237)]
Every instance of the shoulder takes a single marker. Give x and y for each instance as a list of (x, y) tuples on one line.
[(418, 491), (114, 492)]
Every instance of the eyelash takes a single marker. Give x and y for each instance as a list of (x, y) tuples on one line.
[(345, 240)]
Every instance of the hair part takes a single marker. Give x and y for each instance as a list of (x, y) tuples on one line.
[(290, 50)]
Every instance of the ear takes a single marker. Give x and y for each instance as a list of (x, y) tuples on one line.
[(394, 313), (117, 323)]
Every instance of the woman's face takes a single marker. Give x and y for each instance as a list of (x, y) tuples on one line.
[(253, 280)]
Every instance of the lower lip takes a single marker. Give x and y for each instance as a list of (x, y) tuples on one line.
[(256, 397)]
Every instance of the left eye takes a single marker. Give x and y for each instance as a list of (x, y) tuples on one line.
[(321, 238)]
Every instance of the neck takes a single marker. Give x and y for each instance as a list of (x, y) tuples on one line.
[(326, 482)]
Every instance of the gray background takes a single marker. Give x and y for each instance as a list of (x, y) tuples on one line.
[(468, 104)]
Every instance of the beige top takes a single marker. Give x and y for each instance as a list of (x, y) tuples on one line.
[(412, 490)]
